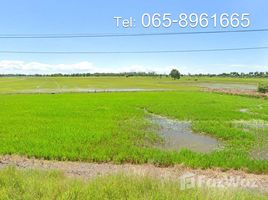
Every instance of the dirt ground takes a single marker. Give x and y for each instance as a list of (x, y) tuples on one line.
[(88, 171), (238, 92)]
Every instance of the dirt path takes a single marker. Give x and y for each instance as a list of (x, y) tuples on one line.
[(92, 170)]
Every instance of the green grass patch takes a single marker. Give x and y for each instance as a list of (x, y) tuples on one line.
[(263, 87), (74, 84), (33, 184), (112, 127)]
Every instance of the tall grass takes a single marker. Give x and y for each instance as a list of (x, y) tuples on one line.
[(32, 184), (263, 87)]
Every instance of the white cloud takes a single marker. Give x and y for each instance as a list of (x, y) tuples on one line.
[(141, 68), (250, 68), (21, 67)]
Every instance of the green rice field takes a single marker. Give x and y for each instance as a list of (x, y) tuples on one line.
[(39, 84), (112, 126)]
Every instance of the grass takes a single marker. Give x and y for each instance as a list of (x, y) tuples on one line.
[(36, 84), (260, 130), (50, 84), (33, 184), (263, 87), (112, 127)]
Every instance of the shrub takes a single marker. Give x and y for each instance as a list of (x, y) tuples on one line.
[(263, 87)]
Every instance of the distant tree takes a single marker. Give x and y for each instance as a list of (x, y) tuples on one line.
[(234, 74), (175, 74)]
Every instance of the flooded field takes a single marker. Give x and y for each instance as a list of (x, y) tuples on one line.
[(227, 86), (178, 135), (87, 90)]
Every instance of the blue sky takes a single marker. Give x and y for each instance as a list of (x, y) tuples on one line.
[(81, 16)]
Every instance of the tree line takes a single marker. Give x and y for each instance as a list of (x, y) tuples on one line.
[(236, 74), (174, 74), (126, 74)]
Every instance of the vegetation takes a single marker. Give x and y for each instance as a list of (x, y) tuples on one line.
[(127, 74), (52, 84), (175, 74), (106, 127), (112, 127), (235, 75), (145, 74), (30, 184), (263, 87)]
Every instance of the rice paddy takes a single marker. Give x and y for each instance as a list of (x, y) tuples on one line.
[(112, 126)]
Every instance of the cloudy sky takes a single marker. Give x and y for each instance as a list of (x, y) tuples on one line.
[(93, 17)]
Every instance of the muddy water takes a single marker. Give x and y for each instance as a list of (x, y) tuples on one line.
[(89, 90), (227, 86), (178, 135)]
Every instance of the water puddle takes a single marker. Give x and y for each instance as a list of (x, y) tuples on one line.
[(89, 90), (227, 86), (178, 135)]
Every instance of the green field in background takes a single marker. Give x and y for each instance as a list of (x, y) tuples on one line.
[(36, 84)]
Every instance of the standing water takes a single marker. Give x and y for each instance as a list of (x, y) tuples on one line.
[(178, 135)]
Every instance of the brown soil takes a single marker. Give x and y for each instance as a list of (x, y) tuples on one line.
[(238, 92), (92, 170)]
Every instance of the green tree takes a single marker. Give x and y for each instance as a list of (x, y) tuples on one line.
[(175, 74)]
